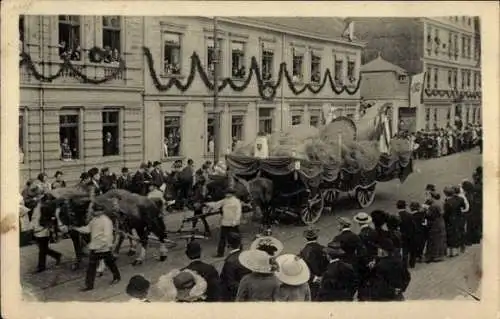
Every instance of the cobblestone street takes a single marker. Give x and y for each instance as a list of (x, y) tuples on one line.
[(429, 281)]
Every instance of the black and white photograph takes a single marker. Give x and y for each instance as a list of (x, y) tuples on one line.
[(266, 158)]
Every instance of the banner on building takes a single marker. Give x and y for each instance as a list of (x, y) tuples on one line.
[(417, 89)]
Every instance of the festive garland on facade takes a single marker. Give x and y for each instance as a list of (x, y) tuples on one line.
[(452, 93), (267, 90), (67, 65)]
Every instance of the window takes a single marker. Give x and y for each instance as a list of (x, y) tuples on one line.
[(69, 136), (210, 146), (469, 43), (111, 29), (448, 116), (456, 45), (450, 78), (469, 21), (172, 136), (110, 133), (21, 138), (463, 46), (21, 33), (350, 71), (479, 80), (468, 75), (436, 78), (450, 45), (474, 114), (298, 66), (238, 60), (429, 39), (467, 114), (171, 53), (455, 79), (315, 68), (437, 42), (266, 120), (402, 78), (314, 120), (69, 37), (339, 65), (479, 115), (428, 78), (212, 56), (296, 119), (267, 64), (435, 116), (427, 118), (237, 125)]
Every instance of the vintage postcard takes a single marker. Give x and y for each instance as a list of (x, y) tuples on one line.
[(247, 156)]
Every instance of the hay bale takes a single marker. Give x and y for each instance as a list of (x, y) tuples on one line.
[(327, 154), (244, 149), (338, 127)]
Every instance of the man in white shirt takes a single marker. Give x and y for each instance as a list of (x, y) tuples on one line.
[(100, 246), (231, 218)]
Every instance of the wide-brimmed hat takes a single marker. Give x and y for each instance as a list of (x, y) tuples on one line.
[(268, 244), (292, 270), (256, 261), (334, 249), (362, 218), (181, 285), (138, 286)]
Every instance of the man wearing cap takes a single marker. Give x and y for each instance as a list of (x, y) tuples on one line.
[(231, 217), (232, 271), (389, 277), (207, 271), (315, 258), (340, 281), (101, 243), (138, 289)]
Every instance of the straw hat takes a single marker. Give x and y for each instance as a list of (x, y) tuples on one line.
[(256, 261), (292, 270), (362, 218), (181, 285), (268, 244)]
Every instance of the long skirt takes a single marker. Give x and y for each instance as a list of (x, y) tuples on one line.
[(436, 244), (454, 233)]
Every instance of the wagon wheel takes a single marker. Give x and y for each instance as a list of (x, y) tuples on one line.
[(330, 195), (314, 207), (365, 196)]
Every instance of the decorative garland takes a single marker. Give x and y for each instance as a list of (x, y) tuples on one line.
[(67, 65), (452, 93), (267, 90)]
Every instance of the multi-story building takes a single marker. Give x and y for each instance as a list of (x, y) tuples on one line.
[(81, 85), (447, 49), (179, 122), (94, 89)]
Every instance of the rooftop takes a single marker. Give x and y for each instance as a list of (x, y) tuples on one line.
[(381, 65)]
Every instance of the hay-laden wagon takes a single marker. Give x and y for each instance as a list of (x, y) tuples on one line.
[(304, 187)]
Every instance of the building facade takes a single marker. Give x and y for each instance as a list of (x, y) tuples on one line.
[(81, 85), (179, 121), (115, 91), (447, 49), (384, 82)]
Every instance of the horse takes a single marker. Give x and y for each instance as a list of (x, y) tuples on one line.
[(257, 192), (131, 212)]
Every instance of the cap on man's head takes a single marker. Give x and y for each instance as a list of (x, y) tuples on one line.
[(124, 170), (401, 204)]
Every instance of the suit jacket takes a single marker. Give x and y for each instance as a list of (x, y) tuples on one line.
[(388, 275), (315, 258), (231, 275), (369, 238), (339, 283), (210, 274), (123, 182), (407, 226), (157, 178), (350, 242), (138, 184)]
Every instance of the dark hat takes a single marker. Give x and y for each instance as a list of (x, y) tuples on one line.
[(430, 187), (193, 250), (138, 286), (334, 249), (105, 169), (234, 240), (84, 175), (479, 170), (124, 170), (467, 186), (386, 244), (379, 217), (401, 204), (156, 163), (93, 171), (311, 234), (150, 164), (415, 206), (435, 195), (98, 206), (58, 173)]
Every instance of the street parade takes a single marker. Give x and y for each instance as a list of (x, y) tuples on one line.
[(358, 182)]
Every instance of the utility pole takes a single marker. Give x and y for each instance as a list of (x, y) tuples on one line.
[(216, 62)]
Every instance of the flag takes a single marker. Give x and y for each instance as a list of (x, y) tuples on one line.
[(417, 89), (348, 29)]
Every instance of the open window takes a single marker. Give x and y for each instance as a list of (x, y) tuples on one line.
[(213, 56), (69, 135), (70, 38), (237, 125), (339, 65), (298, 66), (111, 132), (267, 64), (210, 141), (111, 33), (296, 119), (171, 53), (238, 70), (266, 120), (172, 136), (315, 68)]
